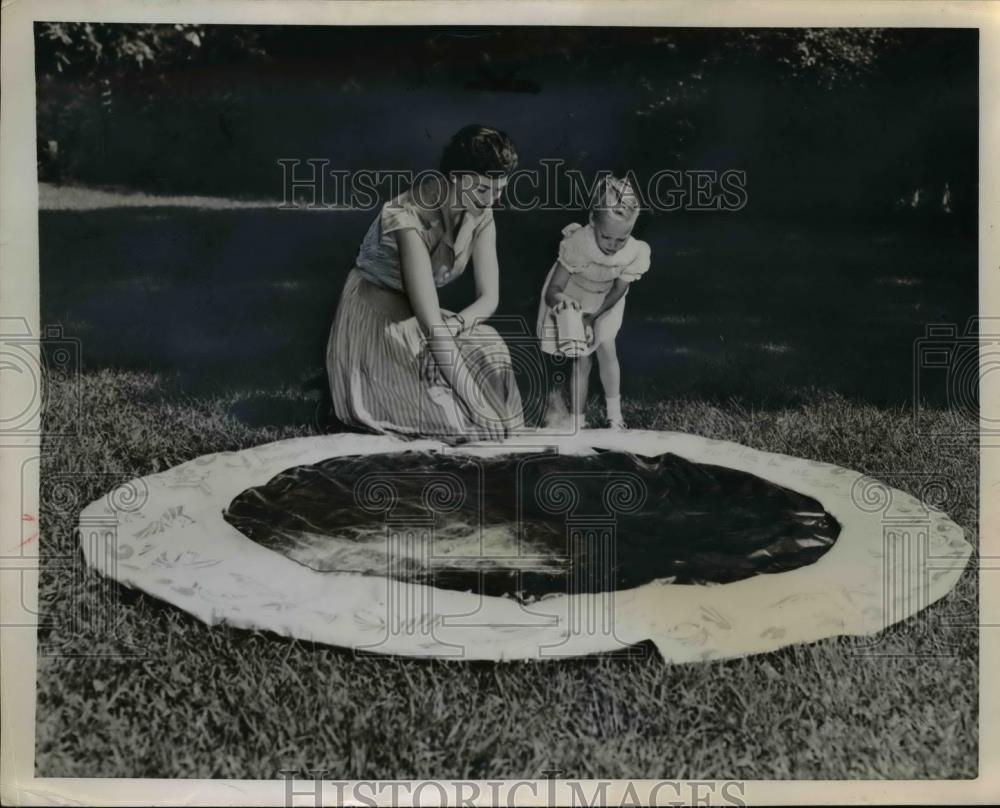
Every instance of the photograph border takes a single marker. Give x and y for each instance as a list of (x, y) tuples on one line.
[(19, 308)]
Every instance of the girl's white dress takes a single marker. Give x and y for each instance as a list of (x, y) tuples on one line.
[(591, 276)]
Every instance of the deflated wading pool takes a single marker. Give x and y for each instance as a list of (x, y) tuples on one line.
[(530, 525), (562, 546)]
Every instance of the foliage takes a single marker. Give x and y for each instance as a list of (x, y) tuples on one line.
[(830, 56), (206, 108), (83, 69), (103, 50), (827, 57)]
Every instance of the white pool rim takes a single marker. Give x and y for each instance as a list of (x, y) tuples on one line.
[(165, 535)]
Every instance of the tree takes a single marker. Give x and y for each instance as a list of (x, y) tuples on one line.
[(81, 67)]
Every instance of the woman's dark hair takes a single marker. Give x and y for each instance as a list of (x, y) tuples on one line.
[(479, 149)]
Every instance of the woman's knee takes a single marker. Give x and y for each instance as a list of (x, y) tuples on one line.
[(482, 331), (484, 343)]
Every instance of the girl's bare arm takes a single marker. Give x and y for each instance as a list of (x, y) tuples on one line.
[(616, 293), (554, 294)]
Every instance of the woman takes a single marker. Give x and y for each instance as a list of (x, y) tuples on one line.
[(397, 362)]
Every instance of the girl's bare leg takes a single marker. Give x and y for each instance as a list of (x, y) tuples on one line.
[(581, 375), (557, 414), (610, 370)]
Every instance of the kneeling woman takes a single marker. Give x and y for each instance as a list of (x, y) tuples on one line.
[(397, 362)]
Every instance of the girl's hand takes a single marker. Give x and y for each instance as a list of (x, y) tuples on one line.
[(565, 300)]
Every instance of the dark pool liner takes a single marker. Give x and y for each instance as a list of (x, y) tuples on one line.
[(607, 521)]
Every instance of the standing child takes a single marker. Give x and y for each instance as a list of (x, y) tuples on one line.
[(597, 263)]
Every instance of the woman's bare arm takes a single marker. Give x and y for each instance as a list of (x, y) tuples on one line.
[(418, 281), (487, 275)]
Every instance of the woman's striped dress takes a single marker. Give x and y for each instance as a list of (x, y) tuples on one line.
[(381, 373)]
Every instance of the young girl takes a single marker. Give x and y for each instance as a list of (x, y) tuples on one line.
[(597, 263)]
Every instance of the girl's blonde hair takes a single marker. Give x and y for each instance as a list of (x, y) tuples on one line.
[(616, 198)]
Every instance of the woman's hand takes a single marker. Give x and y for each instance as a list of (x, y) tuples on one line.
[(492, 427), (455, 323), (486, 416)]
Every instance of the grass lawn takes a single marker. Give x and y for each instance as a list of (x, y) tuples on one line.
[(160, 694)]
